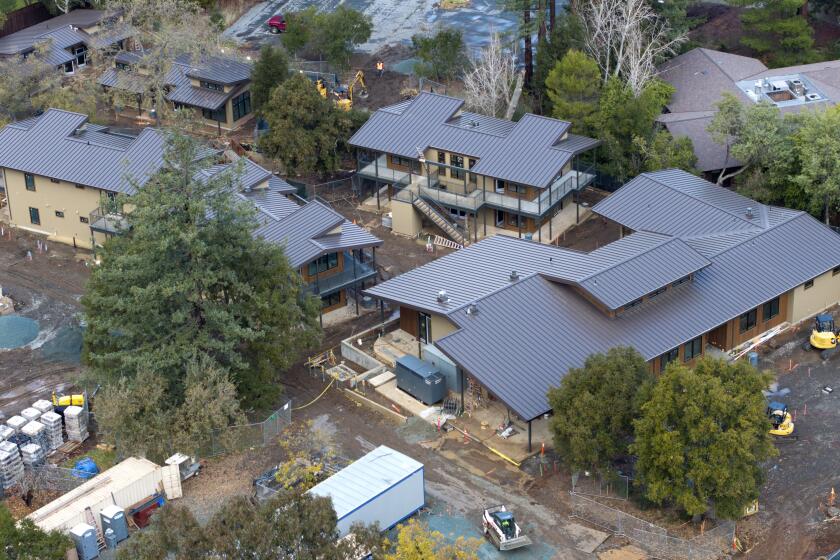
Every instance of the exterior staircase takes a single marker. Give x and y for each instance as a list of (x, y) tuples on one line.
[(440, 220)]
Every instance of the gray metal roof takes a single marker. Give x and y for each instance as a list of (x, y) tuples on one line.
[(25, 39), (530, 151), (738, 264), (221, 70), (52, 147), (366, 478)]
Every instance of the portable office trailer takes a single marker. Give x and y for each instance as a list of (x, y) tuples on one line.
[(420, 379), (123, 485), (383, 487)]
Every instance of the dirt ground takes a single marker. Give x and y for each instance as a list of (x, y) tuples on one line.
[(46, 289)]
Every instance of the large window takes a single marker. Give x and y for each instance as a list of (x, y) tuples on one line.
[(668, 357), (331, 300), (747, 320), (80, 53), (514, 188), (218, 115), (692, 349), (29, 181), (323, 263), (241, 105), (473, 176), (34, 216), (770, 309), (409, 163), (212, 85), (457, 161)]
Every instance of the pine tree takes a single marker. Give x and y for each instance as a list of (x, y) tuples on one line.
[(271, 70), (778, 30)]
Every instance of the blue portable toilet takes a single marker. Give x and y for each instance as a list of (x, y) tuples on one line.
[(753, 357), (85, 538), (113, 518)]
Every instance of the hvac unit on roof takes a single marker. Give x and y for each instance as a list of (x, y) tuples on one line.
[(797, 87)]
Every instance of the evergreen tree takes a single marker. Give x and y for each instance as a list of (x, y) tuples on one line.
[(440, 56), (25, 541), (271, 70), (187, 280), (306, 132), (663, 151), (818, 146), (702, 436), (573, 87), (595, 405), (778, 30)]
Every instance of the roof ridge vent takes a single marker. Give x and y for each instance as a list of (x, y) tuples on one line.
[(472, 309), (442, 296), (514, 276)]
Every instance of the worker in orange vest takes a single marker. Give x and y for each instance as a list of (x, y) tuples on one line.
[(380, 68)]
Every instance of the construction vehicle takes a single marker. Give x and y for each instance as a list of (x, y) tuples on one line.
[(501, 528), (780, 419), (823, 336), (345, 93), (68, 400), (322, 88)]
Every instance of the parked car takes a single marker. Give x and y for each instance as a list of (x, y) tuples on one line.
[(276, 24)]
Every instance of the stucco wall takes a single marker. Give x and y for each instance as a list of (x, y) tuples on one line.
[(824, 293), (48, 198), (407, 220), (441, 326)]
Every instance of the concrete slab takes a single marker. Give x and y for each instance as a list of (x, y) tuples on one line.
[(628, 552), (406, 402), (583, 538), (381, 379)]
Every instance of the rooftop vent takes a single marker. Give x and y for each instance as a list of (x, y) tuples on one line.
[(442, 296), (797, 87), (472, 309), (750, 214), (472, 124), (813, 97), (514, 276)]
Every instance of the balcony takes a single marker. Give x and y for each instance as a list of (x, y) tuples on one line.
[(104, 221), (347, 277), (378, 169)]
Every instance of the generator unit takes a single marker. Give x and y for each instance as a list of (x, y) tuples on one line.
[(113, 517), (420, 379), (85, 538)]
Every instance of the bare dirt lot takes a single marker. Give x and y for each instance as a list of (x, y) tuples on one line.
[(47, 289)]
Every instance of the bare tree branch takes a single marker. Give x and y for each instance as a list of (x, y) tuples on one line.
[(490, 83)]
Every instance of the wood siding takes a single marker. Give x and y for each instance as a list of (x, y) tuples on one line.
[(409, 319), (304, 270)]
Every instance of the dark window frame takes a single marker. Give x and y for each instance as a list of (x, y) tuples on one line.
[(29, 181), (59, 213), (671, 355), (692, 349), (331, 299), (655, 293), (809, 284), (682, 280), (473, 177), (322, 264), (53, 180), (34, 216), (241, 105), (747, 321), (84, 220), (211, 85), (218, 115), (770, 309)]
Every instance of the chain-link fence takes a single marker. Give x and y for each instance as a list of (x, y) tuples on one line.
[(246, 436), (613, 486), (654, 539)]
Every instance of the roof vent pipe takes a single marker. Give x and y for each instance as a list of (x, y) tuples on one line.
[(750, 214), (472, 309), (442, 297), (514, 276)]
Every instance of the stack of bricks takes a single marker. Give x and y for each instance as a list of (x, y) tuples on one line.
[(43, 406), (52, 423), (37, 434), (31, 414), (33, 455), (75, 422), (11, 466)]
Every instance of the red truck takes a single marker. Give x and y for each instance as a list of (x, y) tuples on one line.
[(276, 24)]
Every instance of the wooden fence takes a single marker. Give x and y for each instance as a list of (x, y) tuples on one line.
[(24, 17)]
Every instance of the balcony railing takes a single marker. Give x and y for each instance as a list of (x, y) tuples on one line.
[(347, 277), (106, 221)]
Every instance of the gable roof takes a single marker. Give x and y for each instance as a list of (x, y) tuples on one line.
[(694, 226), (531, 151), (25, 39)]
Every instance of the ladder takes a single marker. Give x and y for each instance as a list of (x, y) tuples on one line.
[(91, 520), (439, 220)]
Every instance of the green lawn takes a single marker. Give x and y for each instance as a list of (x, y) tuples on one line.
[(103, 459)]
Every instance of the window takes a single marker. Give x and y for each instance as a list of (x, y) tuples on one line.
[(657, 292), (219, 115), (770, 309), (457, 213), (500, 218), (516, 220), (54, 180), (68, 67), (668, 357), (747, 320), (83, 220), (330, 300), (692, 349), (81, 55), (457, 161), (633, 304), (400, 161), (500, 186), (78, 186), (323, 263), (442, 157), (473, 176), (809, 284), (241, 105), (424, 323), (682, 280), (514, 188), (123, 66), (29, 181), (59, 213), (835, 271), (34, 216), (212, 85)]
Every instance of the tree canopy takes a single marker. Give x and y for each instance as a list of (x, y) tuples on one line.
[(186, 283), (776, 29), (574, 86), (306, 132), (287, 527), (416, 542), (332, 35), (28, 542), (440, 56), (701, 437), (269, 71), (594, 407)]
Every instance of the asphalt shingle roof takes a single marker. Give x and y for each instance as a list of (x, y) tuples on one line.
[(693, 226), (531, 151)]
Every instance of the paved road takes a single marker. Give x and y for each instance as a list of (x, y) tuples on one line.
[(394, 21)]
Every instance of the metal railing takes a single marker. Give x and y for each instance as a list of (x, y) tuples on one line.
[(354, 271), (107, 221)]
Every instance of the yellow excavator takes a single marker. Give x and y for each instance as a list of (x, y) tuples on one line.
[(345, 93), (780, 419), (823, 337)]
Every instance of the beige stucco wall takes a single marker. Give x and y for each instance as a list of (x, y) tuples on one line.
[(406, 220), (441, 326), (49, 197), (824, 293)]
